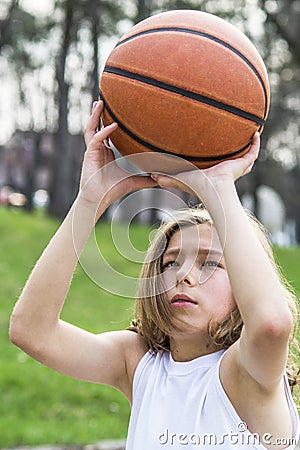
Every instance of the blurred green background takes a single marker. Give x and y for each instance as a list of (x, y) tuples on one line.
[(39, 406)]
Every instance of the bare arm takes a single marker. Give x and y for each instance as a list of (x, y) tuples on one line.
[(260, 297), (36, 326)]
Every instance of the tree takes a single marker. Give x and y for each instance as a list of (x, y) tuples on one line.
[(19, 30), (83, 25), (99, 19), (282, 27), (5, 24), (60, 187)]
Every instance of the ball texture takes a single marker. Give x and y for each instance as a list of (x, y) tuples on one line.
[(184, 83)]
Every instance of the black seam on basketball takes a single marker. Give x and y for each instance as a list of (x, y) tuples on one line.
[(186, 93), (160, 150), (208, 36)]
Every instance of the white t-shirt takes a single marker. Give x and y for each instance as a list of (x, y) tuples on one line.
[(182, 405)]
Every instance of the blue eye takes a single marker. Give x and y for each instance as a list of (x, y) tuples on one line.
[(169, 264), (211, 264)]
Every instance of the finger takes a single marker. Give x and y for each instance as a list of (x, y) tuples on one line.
[(106, 131), (248, 170), (107, 144), (255, 146), (165, 181), (101, 135), (93, 122), (251, 156), (160, 179), (142, 182)]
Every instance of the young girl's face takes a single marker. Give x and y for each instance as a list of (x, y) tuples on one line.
[(195, 277)]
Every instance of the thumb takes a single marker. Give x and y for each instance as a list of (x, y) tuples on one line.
[(141, 182)]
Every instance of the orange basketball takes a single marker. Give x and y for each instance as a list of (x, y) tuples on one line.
[(184, 83)]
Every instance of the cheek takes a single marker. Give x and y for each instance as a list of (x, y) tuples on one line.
[(225, 302), (169, 279)]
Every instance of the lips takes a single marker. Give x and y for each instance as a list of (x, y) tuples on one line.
[(182, 299)]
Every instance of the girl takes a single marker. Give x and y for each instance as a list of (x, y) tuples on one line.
[(206, 366)]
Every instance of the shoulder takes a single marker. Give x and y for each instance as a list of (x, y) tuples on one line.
[(261, 407), (235, 378), (128, 342), (133, 348)]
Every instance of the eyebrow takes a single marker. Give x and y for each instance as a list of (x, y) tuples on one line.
[(206, 251)]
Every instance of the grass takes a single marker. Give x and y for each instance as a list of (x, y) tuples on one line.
[(39, 406), (288, 259)]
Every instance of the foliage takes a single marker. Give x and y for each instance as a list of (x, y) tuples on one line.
[(282, 56)]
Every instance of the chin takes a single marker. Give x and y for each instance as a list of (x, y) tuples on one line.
[(187, 326)]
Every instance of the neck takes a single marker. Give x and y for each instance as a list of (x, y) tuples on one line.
[(187, 347)]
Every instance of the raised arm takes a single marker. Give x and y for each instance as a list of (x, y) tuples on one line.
[(261, 299), (35, 325)]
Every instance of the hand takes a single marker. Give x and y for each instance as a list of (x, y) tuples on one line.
[(197, 181), (101, 176)]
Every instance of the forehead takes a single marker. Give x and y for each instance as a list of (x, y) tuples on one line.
[(196, 238)]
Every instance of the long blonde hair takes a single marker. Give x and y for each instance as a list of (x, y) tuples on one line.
[(153, 313)]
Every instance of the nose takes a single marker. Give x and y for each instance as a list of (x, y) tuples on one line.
[(187, 275)]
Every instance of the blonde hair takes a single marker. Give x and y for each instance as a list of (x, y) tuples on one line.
[(153, 313)]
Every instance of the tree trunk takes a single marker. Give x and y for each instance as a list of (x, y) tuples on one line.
[(32, 170), (144, 9), (95, 72), (61, 194), (5, 24)]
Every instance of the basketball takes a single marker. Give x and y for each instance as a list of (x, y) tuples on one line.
[(184, 84)]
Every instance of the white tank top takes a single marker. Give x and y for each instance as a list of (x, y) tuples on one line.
[(182, 405)]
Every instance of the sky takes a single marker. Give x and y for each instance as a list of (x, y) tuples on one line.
[(38, 7)]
